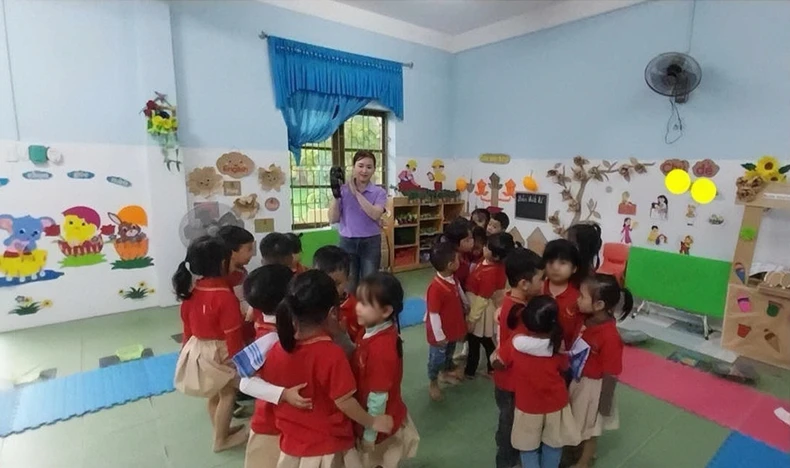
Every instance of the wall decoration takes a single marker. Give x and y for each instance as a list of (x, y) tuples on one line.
[(437, 176), (536, 241), (22, 261), (744, 304), (691, 214), (131, 243), (494, 184), (626, 206), (716, 220), (659, 209), (25, 305), (772, 340), (231, 188), (37, 154), (246, 207), (768, 169), (532, 206), (119, 181), (677, 181), (141, 291), (204, 181), (582, 173), (272, 204), (703, 190), (37, 175), (54, 156), (655, 237), (740, 271), (773, 308), (625, 231), (80, 175), (530, 183), (743, 330), (3, 181), (272, 178), (264, 225), (406, 177), (685, 245), (495, 158), (609, 189), (670, 164), (235, 164), (747, 234), (705, 168), (162, 124), (81, 237)]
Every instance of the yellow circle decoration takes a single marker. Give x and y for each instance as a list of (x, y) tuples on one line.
[(703, 190), (530, 183), (677, 181)]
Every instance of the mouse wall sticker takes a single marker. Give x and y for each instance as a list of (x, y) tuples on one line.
[(23, 260)]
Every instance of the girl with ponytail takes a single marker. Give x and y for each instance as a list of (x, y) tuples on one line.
[(305, 353), (212, 321)]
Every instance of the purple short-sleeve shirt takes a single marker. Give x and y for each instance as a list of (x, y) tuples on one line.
[(354, 222)]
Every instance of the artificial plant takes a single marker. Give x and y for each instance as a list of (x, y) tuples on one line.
[(162, 125)]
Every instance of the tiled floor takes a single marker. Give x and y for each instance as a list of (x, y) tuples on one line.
[(173, 431)]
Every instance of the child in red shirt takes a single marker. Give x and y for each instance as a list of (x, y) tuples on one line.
[(592, 397), (485, 289), (296, 265), (444, 321), (562, 263), (378, 367), (480, 217), (524, 270), (499, 222), (479, 238), (459, 233), (336, 263), (305, 354), (543, 422), (212, 321), (587, 238)]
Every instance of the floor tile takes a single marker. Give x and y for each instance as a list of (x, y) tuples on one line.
[(48, 446), (118, 417), (124, 447)]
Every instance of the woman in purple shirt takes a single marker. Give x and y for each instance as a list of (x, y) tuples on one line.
[(358, 210)]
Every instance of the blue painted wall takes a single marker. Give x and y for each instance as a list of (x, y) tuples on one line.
[(579, 87)]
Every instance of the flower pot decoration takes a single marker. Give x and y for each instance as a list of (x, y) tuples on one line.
[(25, 305), (162, 125), (757, 176)]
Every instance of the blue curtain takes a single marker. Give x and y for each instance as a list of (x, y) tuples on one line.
[(317, 89)]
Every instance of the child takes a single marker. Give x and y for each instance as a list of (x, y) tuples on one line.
[(543, 422), (479, 238), (480, 217), (277, 248), (444, 324), (296, 240), (592, 397), (524, 271), (323, 436), (378, 368), (212, 322), (562, 262), (459, 233), (587, 239), (336, 263), (499, 223), (485, 290)]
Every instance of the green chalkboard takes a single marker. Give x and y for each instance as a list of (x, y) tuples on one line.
[(693, 284), (314, 240)]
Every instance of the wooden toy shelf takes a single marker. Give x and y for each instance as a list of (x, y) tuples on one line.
[(413, 227)]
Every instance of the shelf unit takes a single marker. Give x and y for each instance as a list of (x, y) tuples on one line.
[(413, 227)]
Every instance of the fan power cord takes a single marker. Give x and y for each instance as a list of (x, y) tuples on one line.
[(674, 123)]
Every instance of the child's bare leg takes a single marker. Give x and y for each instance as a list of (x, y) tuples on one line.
[(223, 437), (212, 407), (588, 452)]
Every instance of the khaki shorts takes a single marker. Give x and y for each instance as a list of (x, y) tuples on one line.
[(203, 368), (263, 451), (585, 397), (347, 459), (555, 429), (399, 446)]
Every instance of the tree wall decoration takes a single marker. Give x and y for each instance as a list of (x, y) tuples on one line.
[(582, 173), (494, 183)]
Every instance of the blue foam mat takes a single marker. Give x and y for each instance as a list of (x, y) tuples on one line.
[(740, 451), (49, 401), (413, 312)]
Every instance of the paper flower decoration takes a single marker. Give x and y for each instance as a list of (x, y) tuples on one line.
[(767, 168), (162, 125)]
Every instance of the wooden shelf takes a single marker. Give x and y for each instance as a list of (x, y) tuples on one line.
[(410, 267), (435, 218), (406, 225), (404, 246), (772, 291)]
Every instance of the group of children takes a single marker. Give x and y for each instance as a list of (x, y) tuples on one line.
[(548, 329), (326, 365)]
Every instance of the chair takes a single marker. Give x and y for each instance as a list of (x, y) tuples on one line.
[(615, 257)]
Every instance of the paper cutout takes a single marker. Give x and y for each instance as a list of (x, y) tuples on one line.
[(246, 207), (705, 168), (22, 261), (131, 243), (231, 188), (461, 184), (406, 180), (141, 291), (691, 214), (495, 158), (744, 304), (119, 181), (3, 181), (668, 165), (264, 225), (716, 220), (685, 245), (536, 241), (771, 339), (495, 186), (773, 308), (235, 164), (659, 209), (37, 175), (747, 234), (272, 204), (530, 183), (743, 330), (272, 178), (437, 176), (655, 236), (81, 237), (80, 175), (677, 181), (740, 271), (625, 231), (204, 181), (626, 206), (25, 305)]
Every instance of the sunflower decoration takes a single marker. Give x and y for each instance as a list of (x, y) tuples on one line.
[(162, 125), (767, 168)]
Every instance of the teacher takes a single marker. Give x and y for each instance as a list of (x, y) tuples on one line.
[(358, 210)]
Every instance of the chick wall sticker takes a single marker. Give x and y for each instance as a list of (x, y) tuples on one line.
[(81, 237)]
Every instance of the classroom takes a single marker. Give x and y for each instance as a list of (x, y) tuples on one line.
[(138, 136)]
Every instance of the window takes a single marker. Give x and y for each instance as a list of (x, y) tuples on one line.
[(310, 190)]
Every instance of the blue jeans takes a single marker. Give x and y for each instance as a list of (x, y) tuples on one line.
[(543, 457), (365, 257), (440, 358)]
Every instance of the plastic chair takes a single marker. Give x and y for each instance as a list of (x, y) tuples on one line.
[(615, 257)]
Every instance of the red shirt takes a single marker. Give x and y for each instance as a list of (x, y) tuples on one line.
[(503, 378), (348, 318), (298, 269), (539, 383), (486, 280), (213, 313), (263, 421), (571, 320), (444, 298), (606, 350), (378, 368), (262, 327), (236, 278), (323, 365), (462, 273)]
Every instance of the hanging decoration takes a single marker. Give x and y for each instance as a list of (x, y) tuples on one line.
[(246, 207), (120, 181), (25, 305), (81, 239), (757, 176), (131, 243), (80, 175), (235, 164), (22, 260), (141, 291), (272, 204), (204, 181), (162, 125), (271, 178), (581, 173)]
